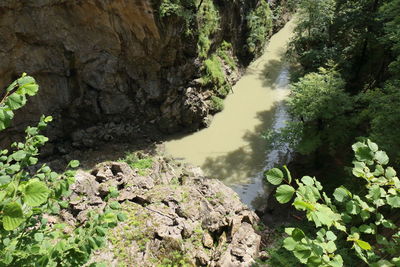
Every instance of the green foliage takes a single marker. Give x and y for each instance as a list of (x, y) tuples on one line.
[(142, 164), (213, 70), (382, 111), (180, 8), (311, 43), (319, 105), (208, 22), (259, 23), (30, 193), (15, 98), (224, 52), (319, 96), (362, 221), (215, 77), (390, 13), (217, 104)]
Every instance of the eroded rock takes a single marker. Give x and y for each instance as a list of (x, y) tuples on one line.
[(174, 213)]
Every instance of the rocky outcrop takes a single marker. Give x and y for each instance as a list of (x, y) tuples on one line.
[(175, 216)]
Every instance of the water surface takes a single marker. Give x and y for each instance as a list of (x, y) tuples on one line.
[(232, 148)]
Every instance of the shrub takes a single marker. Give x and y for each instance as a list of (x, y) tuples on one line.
[(208, 21), (181, 8), (259, 23), (213, 70), (29, 193), (350, 224)]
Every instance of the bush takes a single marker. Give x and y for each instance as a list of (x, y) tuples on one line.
[(28, 197), (214, 73), (351, 224), (259, 23), (180, 8), (208, 20)]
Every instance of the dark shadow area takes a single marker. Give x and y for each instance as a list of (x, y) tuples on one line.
[(272, 69), (245, 161), (89, 158), (270, 73)]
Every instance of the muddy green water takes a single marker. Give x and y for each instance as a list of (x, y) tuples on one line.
[(232, 148)]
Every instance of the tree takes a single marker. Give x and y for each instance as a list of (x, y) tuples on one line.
[(318, 104)]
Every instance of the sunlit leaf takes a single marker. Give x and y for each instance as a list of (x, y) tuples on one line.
[(274, 176), (284, 193), (35, 193), (12, 216), (363, 244)]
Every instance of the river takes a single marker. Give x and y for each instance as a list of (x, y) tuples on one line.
[(232, 148)]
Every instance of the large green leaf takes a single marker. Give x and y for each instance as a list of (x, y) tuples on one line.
[(289, 243), (298, 234), (35, 193), (393, 201), (19, 155), (352, 207), (15, 101), (390, 172), (5, 179), (302, 252), (274, 176), (372, 146), (6, 116), (363, 152), (302, 205), (341, 194), (12, 216), (381, 157), (331, 236), (31, 89), (74, 163), (284, 193), (307, 180), (337, 261), (326, 216)]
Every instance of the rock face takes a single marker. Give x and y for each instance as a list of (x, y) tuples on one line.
[(102, 61), (175, 216)]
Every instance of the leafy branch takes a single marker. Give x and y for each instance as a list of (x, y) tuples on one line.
[(363, 221)]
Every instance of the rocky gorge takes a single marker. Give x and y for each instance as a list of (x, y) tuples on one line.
[(110, 68), (126, 71)]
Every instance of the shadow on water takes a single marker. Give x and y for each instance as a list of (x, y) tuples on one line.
[(245, 161), (272, 70)]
